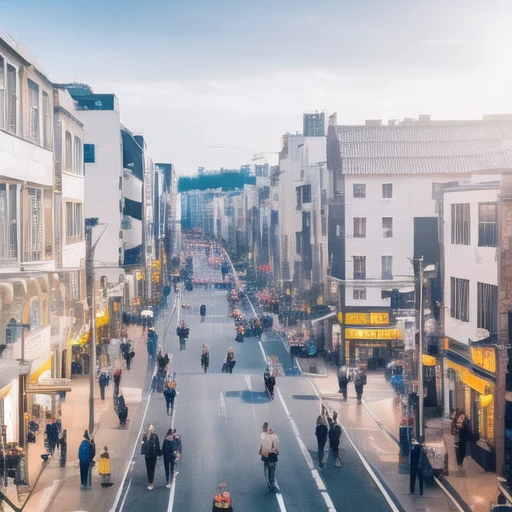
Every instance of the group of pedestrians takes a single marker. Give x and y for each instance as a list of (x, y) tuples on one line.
[(358, 377), (170, 451), (328, 427)]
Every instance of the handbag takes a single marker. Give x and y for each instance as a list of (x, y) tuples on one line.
[(272, 457)]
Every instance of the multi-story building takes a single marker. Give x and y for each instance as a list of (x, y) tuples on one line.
[(383, 213), (468, 221), (28, 235)]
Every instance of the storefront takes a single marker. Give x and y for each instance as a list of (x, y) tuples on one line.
[(369, 338), (471, 385)]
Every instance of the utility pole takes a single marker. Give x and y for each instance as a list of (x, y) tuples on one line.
[(91, 301), (420, 353)]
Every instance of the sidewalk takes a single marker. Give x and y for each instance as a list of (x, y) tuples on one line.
[(64, 483), (472, 487)]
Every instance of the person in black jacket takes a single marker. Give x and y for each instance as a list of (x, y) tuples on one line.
[(334, 437), (170, 452), (151, 450), (205, 358), (343, 381), (103, 382), (321, 436), (417, 452)]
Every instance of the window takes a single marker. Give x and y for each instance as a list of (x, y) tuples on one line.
[(387, 267), (8, 225), (487, 224), (69, 152), (387, 227), (74, 222), (387, 190), (298, 242), (359, 227), (359, 190), (460, 224), (459, 300), (306, 194), (47, 121), (33, 225), (359, 267), (487, 300), (359, 294), (78, 160), (33, 111), (12, 98), (2, 93)]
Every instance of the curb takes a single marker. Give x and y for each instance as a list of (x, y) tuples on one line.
[(316, 375)]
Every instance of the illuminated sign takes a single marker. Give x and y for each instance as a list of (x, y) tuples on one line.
[(469, 378), (367, 318), (371, 334), (484, 357)]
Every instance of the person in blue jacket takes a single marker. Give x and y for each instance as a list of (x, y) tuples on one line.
[(85, 455)]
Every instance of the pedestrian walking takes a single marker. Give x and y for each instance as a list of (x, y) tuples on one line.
[(104, 468), (177, 439), (85, 456), (122, 411), (151, 343), (461, 429), (103, 382), (51, 433), (169, 451), (270, 381), (334, 436), (205, 358), (230, 360), (269, 451), (343, 381), (117, 382), (170, 395), (127, 352), (415, 465), (151, 450), (359, 383), (321, 432)]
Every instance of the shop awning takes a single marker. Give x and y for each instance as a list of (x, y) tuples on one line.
[(468, 377), (34, 376), (325, 317), (5, 390), (102, 318)]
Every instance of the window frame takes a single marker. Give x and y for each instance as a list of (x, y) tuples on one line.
[(361, 223), (361, 262), (78, 155), (387, 273), (68, 152), (459, 298), (359, 293), (460, 222), (488, 230), (34, 111), (359, 190), (487, 318), (75, 222), (387, 232), (12, 108), (385, 190)]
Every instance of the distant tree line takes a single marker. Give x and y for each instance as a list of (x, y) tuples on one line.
[(229, 180)]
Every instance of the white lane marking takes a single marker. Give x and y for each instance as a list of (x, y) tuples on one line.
[(391, 503), (280, 501), (173, 483), (222, 405), (263, 351), (445, 490), (131, 461), (136, 444), (311, 465), (248, 382), (126, 493)]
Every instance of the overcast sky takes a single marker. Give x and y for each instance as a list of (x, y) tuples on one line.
[(205, 76)]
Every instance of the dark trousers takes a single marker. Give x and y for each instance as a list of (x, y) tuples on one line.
[(150, 468), (359, 393), (416, 473), (460, 453), (321, 450), (84, 472), (169, 468), (169, 403), (335, 447), (102, 392), (343, 390)]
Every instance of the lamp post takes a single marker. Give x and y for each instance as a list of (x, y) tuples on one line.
[(91, 301)]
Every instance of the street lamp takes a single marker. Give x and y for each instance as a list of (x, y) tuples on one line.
[(91, 301)]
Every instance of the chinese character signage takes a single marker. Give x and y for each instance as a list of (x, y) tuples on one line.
[(380, 318)]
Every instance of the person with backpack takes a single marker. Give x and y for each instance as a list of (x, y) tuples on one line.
[(151, 450), (359, 383), (321, 432), (85, 456), (170, 395), (419, 465), (51, 433), (122, 411), (343, 381)]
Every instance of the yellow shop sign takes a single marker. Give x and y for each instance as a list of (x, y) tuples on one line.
[(378, 318), (371, 334), (484, 357)]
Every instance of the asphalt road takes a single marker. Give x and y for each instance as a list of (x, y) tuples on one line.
[(219, 417)]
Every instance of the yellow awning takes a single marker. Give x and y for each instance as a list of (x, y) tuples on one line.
[(469, 378), (34, 377), (428, 360), (5, 390)]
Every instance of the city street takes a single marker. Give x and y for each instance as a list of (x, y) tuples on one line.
[(219, 417)]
